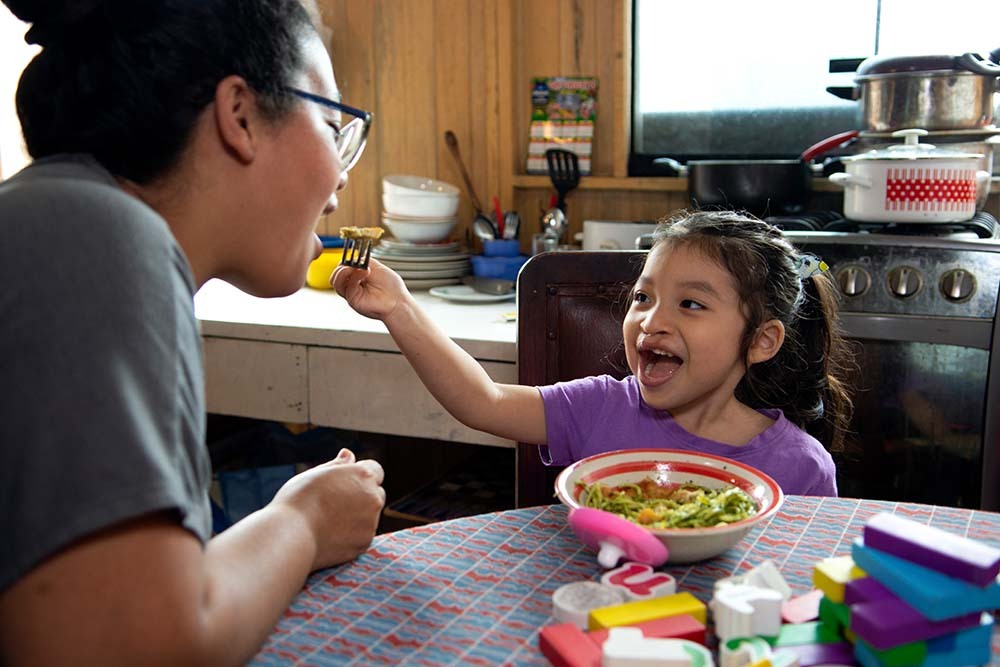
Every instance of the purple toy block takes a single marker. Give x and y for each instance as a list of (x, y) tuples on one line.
[(889, 622), (841, 653), (865, 589), (933, 548)]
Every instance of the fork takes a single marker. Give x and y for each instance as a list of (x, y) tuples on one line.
[(357, 252)]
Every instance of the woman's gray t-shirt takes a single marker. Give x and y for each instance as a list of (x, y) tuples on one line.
[(102, 413)]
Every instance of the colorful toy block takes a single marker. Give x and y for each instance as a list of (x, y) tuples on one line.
[(628, 647), (813, 632), (682, 626), (647, 610), (639, 581), (834, 614), (811, 655), (566, 645), (933, 548), (966, 647), (884, 621), (765, 575), (743, 651), (831, 574), (741, 610), (903, 655), (803, 608), (573, 602), (931, 593)]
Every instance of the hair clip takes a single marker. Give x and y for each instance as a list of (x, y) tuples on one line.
[(809, 265)]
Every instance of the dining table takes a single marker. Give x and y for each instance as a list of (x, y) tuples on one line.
[(477, 590)]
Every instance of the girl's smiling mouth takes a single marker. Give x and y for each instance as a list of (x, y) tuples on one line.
[(656, 366)]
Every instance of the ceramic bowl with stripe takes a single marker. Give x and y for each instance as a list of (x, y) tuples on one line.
[(668, 466)]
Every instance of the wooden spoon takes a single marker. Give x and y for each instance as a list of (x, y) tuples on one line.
[(452, 141)]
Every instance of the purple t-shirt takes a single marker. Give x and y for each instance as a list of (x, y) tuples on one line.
[(601, 414)]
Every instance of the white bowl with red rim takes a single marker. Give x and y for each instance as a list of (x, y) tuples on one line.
[(670, 466)]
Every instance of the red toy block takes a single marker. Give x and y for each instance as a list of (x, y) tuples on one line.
[(682, 626), (566, 645)]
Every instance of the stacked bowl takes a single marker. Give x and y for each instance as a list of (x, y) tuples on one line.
[(418, 209)]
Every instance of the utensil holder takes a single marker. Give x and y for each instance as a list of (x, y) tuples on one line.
[(501, 248)]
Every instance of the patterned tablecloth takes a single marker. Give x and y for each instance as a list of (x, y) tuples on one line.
[(476, 591)]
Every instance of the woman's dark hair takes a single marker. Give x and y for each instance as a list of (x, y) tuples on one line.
[(806, 378), (125, 80)]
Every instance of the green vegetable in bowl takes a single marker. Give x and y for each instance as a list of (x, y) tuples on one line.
[(670, 506)]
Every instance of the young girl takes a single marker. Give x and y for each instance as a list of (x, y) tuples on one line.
[(731, 339)]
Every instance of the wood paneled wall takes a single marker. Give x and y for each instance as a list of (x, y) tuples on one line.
[(427, 66)]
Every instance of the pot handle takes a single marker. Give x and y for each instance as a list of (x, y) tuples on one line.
[(847, 180), (849, 93), (680, 169), (974, 62), (827, 145), (983, 179)]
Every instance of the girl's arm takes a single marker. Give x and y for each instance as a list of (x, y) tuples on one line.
[(450, 373)]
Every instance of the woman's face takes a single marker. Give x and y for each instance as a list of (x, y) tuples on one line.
[(298, 182)]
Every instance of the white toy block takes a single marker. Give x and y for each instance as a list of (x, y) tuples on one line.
[(639, 581), (765, 575), (741, 610), (573, 602), (628, 647), (743, 652)]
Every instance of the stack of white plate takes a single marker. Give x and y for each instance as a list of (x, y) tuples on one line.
[(424, 265)]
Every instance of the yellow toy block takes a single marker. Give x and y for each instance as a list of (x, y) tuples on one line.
[(641, 611), (832, 574)]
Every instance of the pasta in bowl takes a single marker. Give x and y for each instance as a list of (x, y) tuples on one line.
[(698, 505)]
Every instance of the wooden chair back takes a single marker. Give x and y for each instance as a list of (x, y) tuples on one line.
[(570, 308)]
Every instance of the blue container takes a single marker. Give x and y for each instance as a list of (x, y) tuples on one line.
[(497, 267), (501, 248)]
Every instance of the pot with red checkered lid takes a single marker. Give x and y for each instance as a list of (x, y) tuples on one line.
[(911, 182)]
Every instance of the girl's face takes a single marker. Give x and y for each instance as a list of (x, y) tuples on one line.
[(299, 182), (683, 330)]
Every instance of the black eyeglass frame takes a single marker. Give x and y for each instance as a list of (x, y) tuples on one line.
[(364, 116)]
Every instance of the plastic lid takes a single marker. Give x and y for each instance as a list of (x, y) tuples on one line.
[(910, 149)]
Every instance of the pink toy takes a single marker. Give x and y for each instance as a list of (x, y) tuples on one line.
[(615, 537), (639, 581)]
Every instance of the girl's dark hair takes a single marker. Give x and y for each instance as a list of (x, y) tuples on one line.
[(806, 378), (125, 80)]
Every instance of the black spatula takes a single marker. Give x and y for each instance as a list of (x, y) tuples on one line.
[(564, 170)]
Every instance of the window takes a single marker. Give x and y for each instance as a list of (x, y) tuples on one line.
[(15, 54), (737, 79)]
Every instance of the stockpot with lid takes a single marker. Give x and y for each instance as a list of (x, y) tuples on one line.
[(930, 92)]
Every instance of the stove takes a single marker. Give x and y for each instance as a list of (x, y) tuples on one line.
[(983, 226), (919, 304)]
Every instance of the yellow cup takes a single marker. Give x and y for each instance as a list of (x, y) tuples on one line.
[(318, 275)]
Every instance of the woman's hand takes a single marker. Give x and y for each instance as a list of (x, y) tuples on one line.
[(374, 292), (341, 501)]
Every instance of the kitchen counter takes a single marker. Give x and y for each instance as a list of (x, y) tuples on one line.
[(309, 358)]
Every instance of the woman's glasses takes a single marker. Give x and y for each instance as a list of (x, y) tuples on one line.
[(351, 138)]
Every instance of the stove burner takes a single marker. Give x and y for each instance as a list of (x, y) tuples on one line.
[(983, 225)]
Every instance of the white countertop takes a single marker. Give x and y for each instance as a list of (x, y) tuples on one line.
[(323, 318)]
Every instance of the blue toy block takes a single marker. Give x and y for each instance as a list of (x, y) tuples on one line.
[(931, 593)]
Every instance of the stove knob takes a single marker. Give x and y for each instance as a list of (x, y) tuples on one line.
[(904, 281), (853, 280), (957, 285)]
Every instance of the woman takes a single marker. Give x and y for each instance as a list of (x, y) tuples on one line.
[(174, 142)]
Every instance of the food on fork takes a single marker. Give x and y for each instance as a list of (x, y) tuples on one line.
[(373, 233), (358, 243)]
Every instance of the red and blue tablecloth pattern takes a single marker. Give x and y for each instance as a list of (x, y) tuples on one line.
[(476, 590)]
